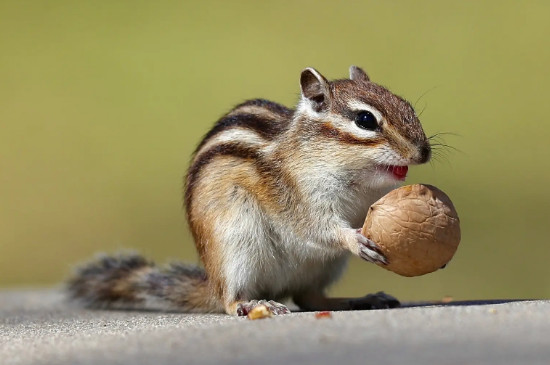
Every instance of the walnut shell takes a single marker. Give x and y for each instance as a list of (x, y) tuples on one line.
[(416, 227)]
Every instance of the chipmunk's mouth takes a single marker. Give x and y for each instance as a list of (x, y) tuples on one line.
[(398, 172)]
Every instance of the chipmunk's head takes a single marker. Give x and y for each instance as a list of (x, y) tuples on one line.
[(362, 125)]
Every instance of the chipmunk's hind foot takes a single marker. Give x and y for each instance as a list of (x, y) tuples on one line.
[(275, 308), (379, 300)]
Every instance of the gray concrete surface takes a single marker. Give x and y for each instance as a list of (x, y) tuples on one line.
[(39, 327)]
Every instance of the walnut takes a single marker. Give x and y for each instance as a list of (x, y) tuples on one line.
[(416, 227)]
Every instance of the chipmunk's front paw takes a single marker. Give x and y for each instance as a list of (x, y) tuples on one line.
[(379, 300), (276, 308), (370, 251)]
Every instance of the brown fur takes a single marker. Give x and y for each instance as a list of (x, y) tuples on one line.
[(403, 124), (330, 132)]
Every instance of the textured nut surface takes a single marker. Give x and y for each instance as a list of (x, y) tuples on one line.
[(417, 228), (259, 312)]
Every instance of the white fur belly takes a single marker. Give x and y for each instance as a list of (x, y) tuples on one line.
[(272, 269), (303, 268)]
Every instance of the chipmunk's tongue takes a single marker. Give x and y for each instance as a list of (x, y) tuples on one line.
[(399, 172)]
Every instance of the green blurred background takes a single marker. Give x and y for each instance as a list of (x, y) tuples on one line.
[(102, 103)]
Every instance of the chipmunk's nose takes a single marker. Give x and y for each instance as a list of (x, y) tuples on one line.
[(425, 153)]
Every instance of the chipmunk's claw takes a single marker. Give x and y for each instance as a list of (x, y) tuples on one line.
[(370, 251)]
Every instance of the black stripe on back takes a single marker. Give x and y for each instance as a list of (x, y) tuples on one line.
[(266, 127), (259, 124), (225, 149), (269, 105)]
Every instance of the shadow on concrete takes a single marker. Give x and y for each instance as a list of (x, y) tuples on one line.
[(460, 303)]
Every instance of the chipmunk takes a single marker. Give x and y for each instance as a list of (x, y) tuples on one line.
[(274, 200)]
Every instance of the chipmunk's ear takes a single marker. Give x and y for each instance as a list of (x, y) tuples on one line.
[(315, 88), (357, 74)]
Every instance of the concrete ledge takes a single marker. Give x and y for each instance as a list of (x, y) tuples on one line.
[(39, 327)]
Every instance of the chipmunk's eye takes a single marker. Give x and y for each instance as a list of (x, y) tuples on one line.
[(366, 120)]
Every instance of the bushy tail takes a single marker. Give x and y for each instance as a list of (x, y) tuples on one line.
[(131, 282)]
